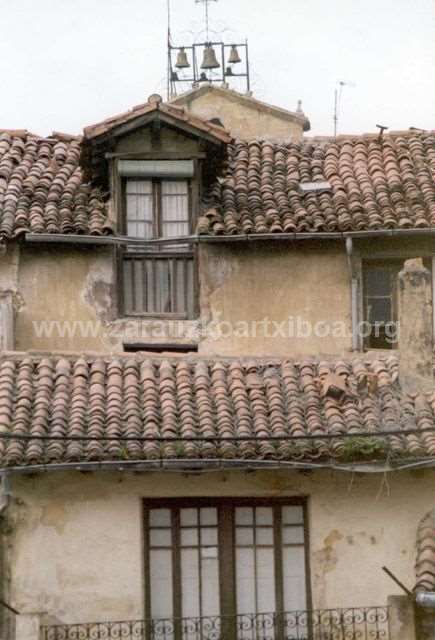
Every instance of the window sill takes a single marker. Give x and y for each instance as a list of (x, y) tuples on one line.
[(131, 330)]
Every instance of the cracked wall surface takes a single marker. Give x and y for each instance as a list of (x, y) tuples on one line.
[(63, 527)]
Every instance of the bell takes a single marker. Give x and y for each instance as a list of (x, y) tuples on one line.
[(203, 77), (174, 76), (229, 71), (209, 60), (234, 55), (182, 61)]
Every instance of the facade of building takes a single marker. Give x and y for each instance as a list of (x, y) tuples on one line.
[(206, 430)]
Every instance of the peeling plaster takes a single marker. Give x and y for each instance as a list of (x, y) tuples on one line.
[(100, 292)]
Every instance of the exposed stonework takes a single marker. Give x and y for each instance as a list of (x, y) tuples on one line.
[(415, 321)]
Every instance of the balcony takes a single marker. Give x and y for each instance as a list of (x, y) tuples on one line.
[(369, 623)]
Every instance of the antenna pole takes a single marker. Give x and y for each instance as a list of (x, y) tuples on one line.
[(207, 26), (168, 87), (335, 112)]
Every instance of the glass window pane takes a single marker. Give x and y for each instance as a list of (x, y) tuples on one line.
[(209, 536), (175, 209), (175, 229), (244, 515), (160, 537), (265, 581), (245, 581), (188, 517), (189, 537), (160, 517), (208, 515), (244, 536), (161, 583), (292, 515), (174, 187), (190, 583), (379, 310), (264, 536), (294, 578), (293, 535), (263, 515), (139, 186), (378, 281), (210, 586)]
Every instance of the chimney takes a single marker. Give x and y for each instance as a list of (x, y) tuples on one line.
[(415, 327)]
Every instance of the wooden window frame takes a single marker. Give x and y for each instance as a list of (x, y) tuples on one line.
[(193, 191), (226, 542), (157, 201)]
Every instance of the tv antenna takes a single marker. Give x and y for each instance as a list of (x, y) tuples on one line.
[(337, 101)]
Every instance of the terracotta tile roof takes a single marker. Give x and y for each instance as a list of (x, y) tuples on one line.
[(172, 111), (376, 183), (425, 562), (137, 397), (42, 189)]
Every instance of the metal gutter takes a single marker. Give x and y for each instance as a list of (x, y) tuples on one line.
[(198, 239), (210, 465)]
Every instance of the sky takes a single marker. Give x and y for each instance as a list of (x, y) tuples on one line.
[(65, 64)]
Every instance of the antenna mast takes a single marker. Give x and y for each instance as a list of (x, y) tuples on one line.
[(206, 3), (168, 81), (337, 102)]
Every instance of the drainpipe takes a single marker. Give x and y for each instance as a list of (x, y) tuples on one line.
[(5, 492), (354, 294)]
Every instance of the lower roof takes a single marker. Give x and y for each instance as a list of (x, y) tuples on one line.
[(56, 409)]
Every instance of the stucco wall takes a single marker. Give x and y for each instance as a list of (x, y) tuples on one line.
[(255, 299), (74, 541), (276, 299), (243, 121)]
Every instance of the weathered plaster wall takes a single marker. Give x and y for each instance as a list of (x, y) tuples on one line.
[(243, 121), (74, 541), (66, 299), (67, 295), (256, 298), (276, 298)]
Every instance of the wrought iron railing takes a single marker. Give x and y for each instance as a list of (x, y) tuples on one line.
[(368, 623)]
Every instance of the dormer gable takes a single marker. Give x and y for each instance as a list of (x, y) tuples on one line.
[(153, 130)]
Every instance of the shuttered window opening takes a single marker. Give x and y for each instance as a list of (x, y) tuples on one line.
[(161, 279), (159, 284)]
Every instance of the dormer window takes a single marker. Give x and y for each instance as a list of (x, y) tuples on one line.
[(157, 208), (157, 279)]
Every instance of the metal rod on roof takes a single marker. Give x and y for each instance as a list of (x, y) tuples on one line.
[(315, 235), (207, 465), (287, 438), (391, 575)]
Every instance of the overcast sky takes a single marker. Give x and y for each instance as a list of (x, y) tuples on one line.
[(65, 64)]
